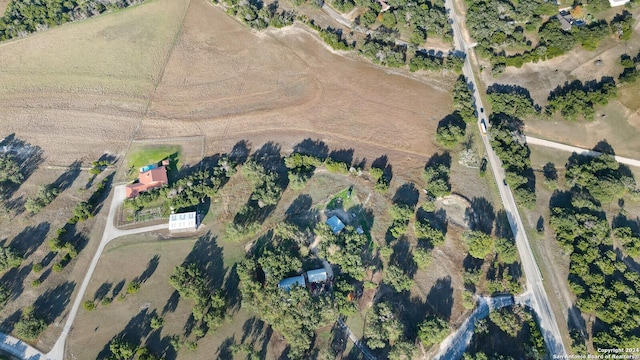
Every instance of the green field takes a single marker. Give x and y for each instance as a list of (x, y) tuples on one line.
[(152, 154)]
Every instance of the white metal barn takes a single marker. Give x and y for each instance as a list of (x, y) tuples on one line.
[(183, 222)]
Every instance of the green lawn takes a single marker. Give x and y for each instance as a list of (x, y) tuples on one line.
[(151, 154)]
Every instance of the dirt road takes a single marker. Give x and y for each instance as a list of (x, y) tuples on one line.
[(577, 150)]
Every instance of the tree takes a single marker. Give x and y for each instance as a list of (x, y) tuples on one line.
[(402, 350), (45, 195), (422, 258), (133, 287), (450, 135), (382, 327), (437, 177), (432, 331), (30, 326), (479, 244), (506, 249), (426, 232), (89, 305), (157, 322), (122, 349), (83, 211), (9, 259), (9, 170), (395, 277)]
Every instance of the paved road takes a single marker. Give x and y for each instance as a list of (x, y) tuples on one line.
[(454, 346), (539, 302), (110, 233), (19, 348), (559, 146)]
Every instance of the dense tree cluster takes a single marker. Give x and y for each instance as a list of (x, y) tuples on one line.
[(479, 244), (629, 241), (121, 349), (332, 37), (597, 275), (508, 142), (578, 99), (258, 16), (450, 134), (383, 50), (24, 17), (346, 249), (421, 18), (397, 279), (622, 25), (501, 27), (512, 101), (463, 100), (10, 170), (295, 313), (426, 232), (192, 283), (400, 214), (601, 176)]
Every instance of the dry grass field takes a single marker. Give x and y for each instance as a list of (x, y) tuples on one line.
[(79, 90)]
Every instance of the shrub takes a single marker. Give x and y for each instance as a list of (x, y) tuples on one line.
[(89, 305), (36, 283), (37, 268), (133, 287)]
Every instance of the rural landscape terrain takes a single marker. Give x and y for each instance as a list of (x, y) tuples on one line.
[(361, 179)]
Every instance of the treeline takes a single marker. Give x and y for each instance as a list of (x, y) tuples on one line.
[(599, 277), (24, 17), (383, 50), (257, 16), (424, 61), (577, 99), (509, 143)]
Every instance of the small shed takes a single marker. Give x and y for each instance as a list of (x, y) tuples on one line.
[(336, 224), (183, 221), (287, 283), (317, 275)]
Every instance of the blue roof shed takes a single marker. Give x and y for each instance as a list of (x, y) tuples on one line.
[(336, 224), (292, 281)]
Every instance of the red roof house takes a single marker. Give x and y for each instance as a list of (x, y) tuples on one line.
[(148, 180)]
